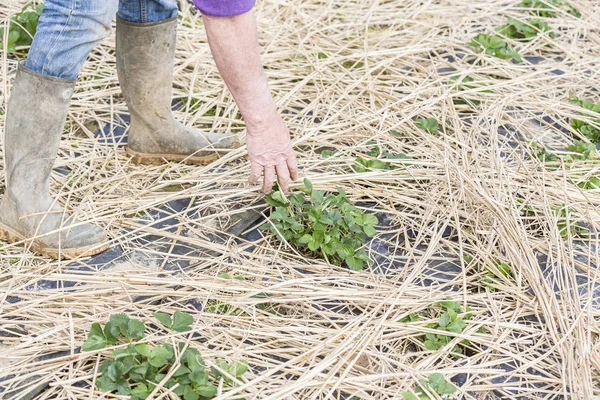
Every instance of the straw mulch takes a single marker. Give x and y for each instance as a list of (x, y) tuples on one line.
[(345, 74)]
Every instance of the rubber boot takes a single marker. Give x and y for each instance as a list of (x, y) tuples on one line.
[(35, 118), (145, 59)]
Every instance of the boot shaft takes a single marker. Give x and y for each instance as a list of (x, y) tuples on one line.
[(35, 118), (145, 59)]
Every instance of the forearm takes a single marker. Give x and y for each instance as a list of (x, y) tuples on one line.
[(234, 46)]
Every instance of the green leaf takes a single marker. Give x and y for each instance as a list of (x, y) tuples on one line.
[(135, 329), (369, 219), (279, 197), (444, 320), (143, 349), (208, 390), (190, 394), (164, 319), (409, 396), (159, 356), (308, 184), (182, 321), (435, 379), (96, 339), (199, 376), (369, 231), (305, 239), (431, 345), (446, 388), (141, 391), (457, 326), (355, 264), (238, 368)]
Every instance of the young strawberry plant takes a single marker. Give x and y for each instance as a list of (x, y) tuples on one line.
[(450, 318), (550, 8), (327, 226), (21, 27), (494, 46), (137, 369), (591, 183), (435, 384), (383, 159), (428, 124), (524, 30), (587, 130), (581, 151)]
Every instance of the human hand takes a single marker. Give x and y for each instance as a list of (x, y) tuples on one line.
[(270, 151)]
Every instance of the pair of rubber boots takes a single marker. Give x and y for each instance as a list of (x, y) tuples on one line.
[(35, 119)]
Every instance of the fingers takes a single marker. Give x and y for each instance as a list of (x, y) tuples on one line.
[(255, 173), (269, 178), (292, 165), (283, 177)]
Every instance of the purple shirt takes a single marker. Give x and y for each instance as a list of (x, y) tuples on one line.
[(224, 8)]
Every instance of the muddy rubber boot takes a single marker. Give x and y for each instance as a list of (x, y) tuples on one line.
[(36, 115), (145, 58)]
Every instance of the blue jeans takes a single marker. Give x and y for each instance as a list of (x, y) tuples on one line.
[(69, 29)]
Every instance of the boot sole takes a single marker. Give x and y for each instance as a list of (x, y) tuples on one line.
[(157, 159), (11, 236)]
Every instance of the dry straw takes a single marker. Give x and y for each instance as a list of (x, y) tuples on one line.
[(344, 74)]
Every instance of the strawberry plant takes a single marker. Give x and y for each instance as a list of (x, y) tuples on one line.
[(492, 275), (565, 220), (137, 369), (550, 8), (21, 27), (428, 124), (380, 162), (581, 151), (450, 318), (587, 130), (494, 46), (591, 183), (524, 30), (435, 384), (327, 226)]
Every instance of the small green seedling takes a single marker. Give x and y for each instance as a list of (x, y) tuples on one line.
[(21, 27), (587, 130), (581, 151), (590, 183), (383, 159), (436, 384), (450, 318), (494, 46), (138, 368), (493, 274), (524, 30), (543, 153), (326, 153), (428, 124), (329, 226), (567, 224), (550, 8)]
